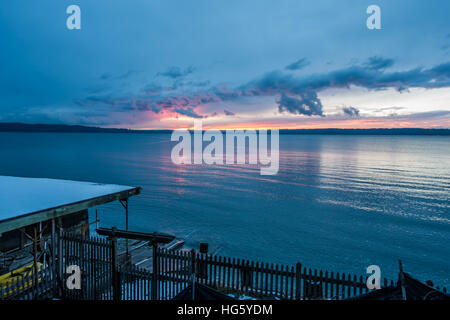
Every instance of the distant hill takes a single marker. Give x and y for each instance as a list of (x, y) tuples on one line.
[(23, 127)]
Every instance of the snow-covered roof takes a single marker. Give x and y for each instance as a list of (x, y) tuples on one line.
[(23, 197)]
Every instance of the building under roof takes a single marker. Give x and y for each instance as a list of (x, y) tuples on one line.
[(30, 204), (26, 201)]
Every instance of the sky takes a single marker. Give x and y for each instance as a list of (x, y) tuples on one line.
[(161, 64)]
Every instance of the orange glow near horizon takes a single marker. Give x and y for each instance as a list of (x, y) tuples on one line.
[(369, 123)]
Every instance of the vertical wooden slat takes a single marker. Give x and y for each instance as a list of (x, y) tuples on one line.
[(283, 286), (339, 286), (348, 285), (215, 271), (291, 293), (232, 274), (228, 260), (315, 285), (276, 290), (222, 271), (210, 268), (252, 278), (310, 278), (271, 279), (298, 274), (256, 285)]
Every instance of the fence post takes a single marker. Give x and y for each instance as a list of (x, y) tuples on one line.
[(298, 274), (155, 285), (115, 274), (202, 272), (193, 271), (193, 262)]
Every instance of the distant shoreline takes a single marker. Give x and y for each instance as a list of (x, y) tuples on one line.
[(60, 128)]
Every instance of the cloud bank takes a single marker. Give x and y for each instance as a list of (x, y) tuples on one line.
[(296, 95)]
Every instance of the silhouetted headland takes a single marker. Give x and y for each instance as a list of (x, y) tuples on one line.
[(24, 127)]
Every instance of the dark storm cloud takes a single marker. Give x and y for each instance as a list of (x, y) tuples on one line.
[(144, 105), (441, 71), (204, 83), (228, 113), (188, 112), (351, 111), (152, 88), (379, 63), (297, 65), (306, 103), (176, 72)]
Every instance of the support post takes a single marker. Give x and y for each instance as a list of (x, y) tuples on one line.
[(155, 280), (115, 274), (125, 205), (202, 272), (203, 247), (298, 274)]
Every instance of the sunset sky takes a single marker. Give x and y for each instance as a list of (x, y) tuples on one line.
[(234, 64)]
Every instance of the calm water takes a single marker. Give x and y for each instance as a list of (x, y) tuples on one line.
[(338, 202)]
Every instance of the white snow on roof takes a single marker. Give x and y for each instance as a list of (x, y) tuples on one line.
[(19, 196)]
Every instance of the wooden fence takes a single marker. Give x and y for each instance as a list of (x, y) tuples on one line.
[(92, 255), (103, 278), (31, 285), (254, 279), (176, 269), (135, 283)]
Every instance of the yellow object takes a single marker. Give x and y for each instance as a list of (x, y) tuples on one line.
[(22, 278)]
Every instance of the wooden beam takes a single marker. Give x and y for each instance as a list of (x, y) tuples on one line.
[(154, 237)]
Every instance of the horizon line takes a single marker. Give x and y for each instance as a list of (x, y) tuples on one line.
[(41, 127)]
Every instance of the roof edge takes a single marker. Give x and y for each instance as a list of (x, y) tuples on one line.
[(63, 210)]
